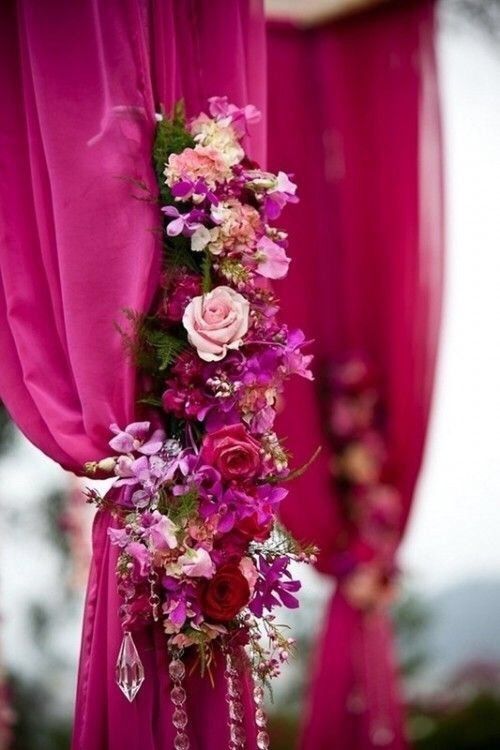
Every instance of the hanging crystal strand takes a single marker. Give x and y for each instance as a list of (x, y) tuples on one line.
[(233, 697), (129, 671), (154, 598), (260, 717), (177, 672)]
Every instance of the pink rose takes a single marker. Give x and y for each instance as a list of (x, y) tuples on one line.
[(233, 452), (216, 322)]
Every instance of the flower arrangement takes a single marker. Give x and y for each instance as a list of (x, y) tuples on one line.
[(362, 476), (199, 482)]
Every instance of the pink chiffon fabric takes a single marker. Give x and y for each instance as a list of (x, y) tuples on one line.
[(80, 84), (354, 113)]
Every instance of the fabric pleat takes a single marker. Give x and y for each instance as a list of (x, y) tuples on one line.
[(354, 113), (80, 83)]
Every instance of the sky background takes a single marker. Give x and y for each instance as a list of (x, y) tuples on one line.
[(453, 535)]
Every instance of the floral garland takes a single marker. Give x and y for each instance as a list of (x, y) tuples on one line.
[(199, 548), (362, 476)]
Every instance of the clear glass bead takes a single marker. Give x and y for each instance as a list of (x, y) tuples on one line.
[(178, 695), (236, 711), (129, 670), (260, 718), (263, 741), (233, 688), (179, 718), (237, 734), (258, 694), (172, 447), (177, 670), (181, 741)]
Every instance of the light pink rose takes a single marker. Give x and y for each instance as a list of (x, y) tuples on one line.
[(216, 322)]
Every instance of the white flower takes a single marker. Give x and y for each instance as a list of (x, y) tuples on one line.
[(206, 238), (200, 238)]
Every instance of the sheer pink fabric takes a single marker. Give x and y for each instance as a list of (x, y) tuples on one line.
[(353, 111), (80, 83)]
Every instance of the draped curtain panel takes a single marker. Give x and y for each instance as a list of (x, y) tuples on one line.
[(80, 84), (354, 113)]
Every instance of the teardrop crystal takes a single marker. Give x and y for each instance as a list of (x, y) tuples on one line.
[(129, 669)]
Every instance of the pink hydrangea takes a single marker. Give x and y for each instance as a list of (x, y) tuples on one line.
[(202, 162), (237, 225)]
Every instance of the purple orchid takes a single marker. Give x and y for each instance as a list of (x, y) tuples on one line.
[(279, 195), (274, 587), (135, 437), (198, 191), (181, 603), (230, 114), (187, 223), (205, 478), (228, 507), (147, 472), (294, 361)]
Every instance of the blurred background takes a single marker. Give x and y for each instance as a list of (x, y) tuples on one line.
[(447, 611)]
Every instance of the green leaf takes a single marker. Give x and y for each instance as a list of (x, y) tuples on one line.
[(166, 346), (171, 137), (149, 401), (206, 269), (178, 254)]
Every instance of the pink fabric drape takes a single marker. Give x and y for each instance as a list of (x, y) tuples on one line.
[(80, 83), (353, 112)]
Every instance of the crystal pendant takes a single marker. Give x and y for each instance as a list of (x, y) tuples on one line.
[(129, 669)]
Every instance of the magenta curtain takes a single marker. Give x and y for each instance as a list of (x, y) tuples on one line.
[(353, 112), (80, 83)]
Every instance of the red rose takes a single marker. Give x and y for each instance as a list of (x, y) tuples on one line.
[(233, 452), (225, 594), (252, 529)]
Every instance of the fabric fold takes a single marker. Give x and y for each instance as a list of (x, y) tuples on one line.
[(354, 113), (77, 248)]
